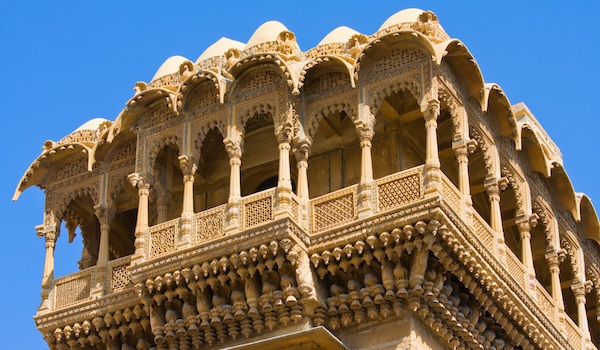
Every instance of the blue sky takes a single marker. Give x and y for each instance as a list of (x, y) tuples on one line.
[(63, 63)]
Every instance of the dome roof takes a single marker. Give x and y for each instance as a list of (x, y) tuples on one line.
[(268, 31), (91, 124), (171, 65), (219, 48), (407, 15), (338, 35)]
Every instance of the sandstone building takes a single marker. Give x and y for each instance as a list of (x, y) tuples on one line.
[(371, 192)]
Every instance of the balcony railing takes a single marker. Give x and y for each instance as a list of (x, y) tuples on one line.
[(325, 213), (73, 289)]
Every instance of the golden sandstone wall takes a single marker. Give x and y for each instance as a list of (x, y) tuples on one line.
[(371, 192)]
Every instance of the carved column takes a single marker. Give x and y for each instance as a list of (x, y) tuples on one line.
[(526, 254), (284, 184), (141, 226), (432, 160), (580, 288), (187, 213), (104, 216), (554, 259), (493, 190), (302, 152), (50, 230), (365, 135), (234, 147), (163, 199)]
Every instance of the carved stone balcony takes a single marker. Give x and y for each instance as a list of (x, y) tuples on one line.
[(397, 199)]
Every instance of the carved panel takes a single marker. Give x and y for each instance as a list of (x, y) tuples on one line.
[(120, 278), (574, 334), (334, 209), (326, 85), (162, 238), (257, 209), (167, 80), (516, 268), (73, 288), (399, 56), (451, 195), (545, 301), (209, 224), (484, 232), (395, 190)]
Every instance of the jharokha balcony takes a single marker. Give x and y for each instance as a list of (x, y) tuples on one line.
[(168, 257), (264, 195)]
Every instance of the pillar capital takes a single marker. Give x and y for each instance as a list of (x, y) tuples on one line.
[(460, 148), (431, 110), (552, 259), (284, 133), (524, 227), (495, 186), (188, 166), (580, 289), (104, 214), (234, 147), (302, 149), (139, 180), (365, 130)]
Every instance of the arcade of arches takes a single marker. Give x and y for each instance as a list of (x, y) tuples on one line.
[(372, 192)]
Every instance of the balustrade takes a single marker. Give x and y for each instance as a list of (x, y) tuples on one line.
[(324, 213), (73, 289)]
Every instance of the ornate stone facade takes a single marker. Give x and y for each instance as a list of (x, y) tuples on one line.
[(370, 193)]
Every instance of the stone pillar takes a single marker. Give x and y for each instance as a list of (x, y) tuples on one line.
[(462, 149), (141, 226), (187, 213), (493, 190), (554, 259), (365, 130), (284, 183), (163, 199), (526, 254), (580, 288), (50, 230), (234, 149), (432, 159), (104, 216), (302, 152)]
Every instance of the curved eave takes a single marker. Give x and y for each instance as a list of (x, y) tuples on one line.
[(396, 36), (327, 60), (100, 147), (255, 60), (456, 53), (138, 103), (190, 83), (538, 159), (497, 102), (565, 191), (38, 170), (589, 217)]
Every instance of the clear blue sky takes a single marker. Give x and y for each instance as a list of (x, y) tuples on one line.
[(63, 63)]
